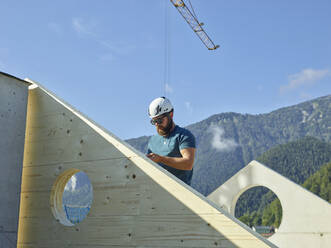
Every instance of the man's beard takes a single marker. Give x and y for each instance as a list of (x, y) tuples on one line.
[(166, 130)]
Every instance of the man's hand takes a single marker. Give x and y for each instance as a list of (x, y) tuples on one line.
[(155, 157), (181, 163)]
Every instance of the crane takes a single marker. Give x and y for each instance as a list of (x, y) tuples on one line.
[(192, 20)]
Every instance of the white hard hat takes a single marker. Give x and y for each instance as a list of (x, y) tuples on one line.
[(159, 106)]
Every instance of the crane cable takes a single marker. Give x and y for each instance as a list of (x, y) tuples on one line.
[(166, 76), (166, 49)]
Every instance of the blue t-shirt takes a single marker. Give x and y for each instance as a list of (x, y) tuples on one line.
[(170, 146)]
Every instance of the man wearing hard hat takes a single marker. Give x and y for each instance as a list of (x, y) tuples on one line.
[(173, 147)]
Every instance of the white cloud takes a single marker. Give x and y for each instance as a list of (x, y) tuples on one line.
[(56, 28), (168, 88), (81, 27), (218, 141), (89, 29), (189, 107), (71, 184), (118, 48), (303, 78)]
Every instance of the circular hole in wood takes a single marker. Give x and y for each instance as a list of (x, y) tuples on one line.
[(260, 209), (71, 197)]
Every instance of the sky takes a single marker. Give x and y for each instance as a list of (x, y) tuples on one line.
[(110, 58)]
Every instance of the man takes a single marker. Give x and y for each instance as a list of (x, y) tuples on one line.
[(173, 147)]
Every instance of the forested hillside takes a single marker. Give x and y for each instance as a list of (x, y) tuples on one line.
[(227, 142), (320, 182)]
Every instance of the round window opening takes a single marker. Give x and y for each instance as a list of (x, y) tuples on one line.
[(260, 209), (72, 197)]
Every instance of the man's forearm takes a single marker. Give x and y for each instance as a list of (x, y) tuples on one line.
[(177, 163), (181, 163)]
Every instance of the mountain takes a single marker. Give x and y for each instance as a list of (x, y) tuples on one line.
[(296, 160), (226, 142), (299, 159)]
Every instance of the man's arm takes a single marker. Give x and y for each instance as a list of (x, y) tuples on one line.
[(183, 163)]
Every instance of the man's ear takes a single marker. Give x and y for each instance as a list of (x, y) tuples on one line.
[(171, 114)]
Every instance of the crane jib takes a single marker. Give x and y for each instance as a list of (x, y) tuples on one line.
[(194, 24)]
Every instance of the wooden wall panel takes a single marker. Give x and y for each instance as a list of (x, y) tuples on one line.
[(13, 107), (135, 203)]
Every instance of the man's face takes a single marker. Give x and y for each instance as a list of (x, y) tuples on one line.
[(161, 123)]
